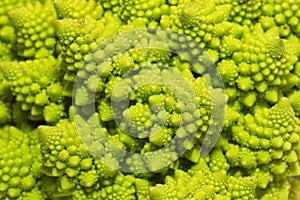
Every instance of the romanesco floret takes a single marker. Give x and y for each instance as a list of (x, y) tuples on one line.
[(129, 10), (5, 49), (7, 35), (78, 9), (35, 85), (122, 188), (6, 6), (261, 65), (278, 189), (20, 162), (283, 14), (99, 101), (112, 6), (267, 139), (77, 38), (199, 20), (243, 12), (155, 106), (201, 183), (67, 159), (35, 36), (5, 113)]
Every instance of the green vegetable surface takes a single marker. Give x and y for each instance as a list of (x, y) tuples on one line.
[(149, 100)]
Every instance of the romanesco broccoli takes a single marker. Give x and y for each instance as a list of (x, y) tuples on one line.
[(126, 99)]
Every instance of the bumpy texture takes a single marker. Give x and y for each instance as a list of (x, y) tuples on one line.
[(35, 36), (34, 83), (125, 121), (148, 10), (7, 36), (284, 15), (201, 183), (267, 140), (78, 9), (20, 162), (67, 159), (77, 38)]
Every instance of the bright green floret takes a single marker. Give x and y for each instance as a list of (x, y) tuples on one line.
[(93, 106), (129, 9), (67, 159), (34, 83), (5, 113), (77, 38), (7, 35), (35, 35), (78, 9), (20, 161), (264, 62), (267, 139), (122, 188), (201, 183)]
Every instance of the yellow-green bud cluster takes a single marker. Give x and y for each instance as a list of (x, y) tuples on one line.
[(20, 162), (35, 35)]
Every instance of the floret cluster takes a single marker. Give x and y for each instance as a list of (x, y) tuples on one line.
[(56, 95)]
